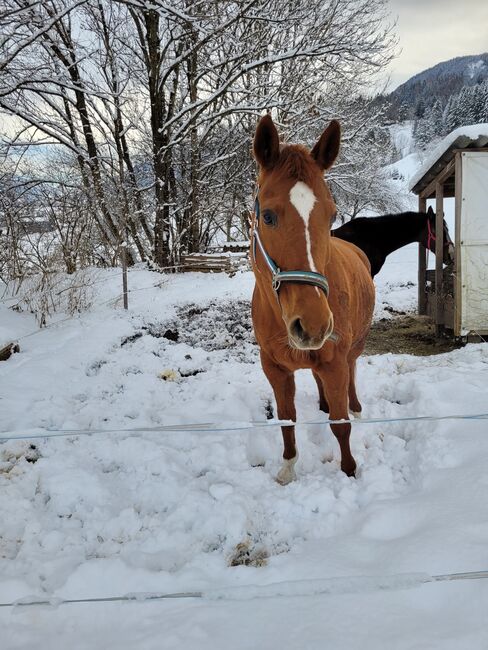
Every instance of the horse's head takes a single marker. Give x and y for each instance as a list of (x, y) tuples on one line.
[(295, 208), (430, 236)]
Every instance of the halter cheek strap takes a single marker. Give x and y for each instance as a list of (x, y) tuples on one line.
[(278, 276), (431, 238)]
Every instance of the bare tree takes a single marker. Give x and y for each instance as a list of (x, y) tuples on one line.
[(52, 92), (156, 102)]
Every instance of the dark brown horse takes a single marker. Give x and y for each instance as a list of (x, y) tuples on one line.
[(314, 296), (380, 236)]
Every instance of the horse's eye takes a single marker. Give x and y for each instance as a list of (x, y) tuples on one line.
[(269, 218)]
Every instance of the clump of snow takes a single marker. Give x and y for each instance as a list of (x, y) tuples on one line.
[(475, 67)]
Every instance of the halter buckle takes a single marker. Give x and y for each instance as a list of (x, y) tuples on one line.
[(275, 281)]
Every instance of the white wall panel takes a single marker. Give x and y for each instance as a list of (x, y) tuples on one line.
[(474, 242)]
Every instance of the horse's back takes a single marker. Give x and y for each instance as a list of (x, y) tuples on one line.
[(347, 250)]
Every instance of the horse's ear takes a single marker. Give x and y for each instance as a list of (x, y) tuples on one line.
[(430, 211), (327, 148), (266, 143)]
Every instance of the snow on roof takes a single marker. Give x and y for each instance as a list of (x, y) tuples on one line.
[(474, 135)]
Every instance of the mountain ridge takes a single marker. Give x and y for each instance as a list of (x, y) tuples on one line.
[(439, 82), (456, 65)]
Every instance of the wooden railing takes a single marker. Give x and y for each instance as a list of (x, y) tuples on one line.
[(215, 262)]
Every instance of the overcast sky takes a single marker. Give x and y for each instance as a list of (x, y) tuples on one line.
[(432, 31)]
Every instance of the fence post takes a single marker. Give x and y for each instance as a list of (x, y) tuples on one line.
[(422, 268), (123, 247)]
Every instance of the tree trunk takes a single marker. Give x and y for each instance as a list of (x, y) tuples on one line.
[(161, 155), (194, 226)]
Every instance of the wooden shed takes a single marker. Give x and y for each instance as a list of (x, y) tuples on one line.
[(456, 297)]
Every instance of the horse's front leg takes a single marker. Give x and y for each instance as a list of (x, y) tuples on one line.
[(354, 404), (283, 383), (335, 378), (323, 404)]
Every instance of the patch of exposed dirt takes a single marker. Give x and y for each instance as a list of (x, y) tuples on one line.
[(219, 325), (11, 458), (408, 334), (226, 325)]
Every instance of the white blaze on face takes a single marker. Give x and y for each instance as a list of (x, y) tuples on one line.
[(303, 199)]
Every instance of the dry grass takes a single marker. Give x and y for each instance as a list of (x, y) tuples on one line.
[(409, 334)]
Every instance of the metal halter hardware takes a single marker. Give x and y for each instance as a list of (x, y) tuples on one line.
[(277, 276)]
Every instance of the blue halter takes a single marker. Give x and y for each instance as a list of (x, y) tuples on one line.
[(278, 276)]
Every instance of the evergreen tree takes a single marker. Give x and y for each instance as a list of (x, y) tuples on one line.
[(419, 109), (452, 114), (436, 125), (485, 108), (423, 133), (479, 105)]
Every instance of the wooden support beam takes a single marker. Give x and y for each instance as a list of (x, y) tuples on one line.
[(422, 296), (439, 253), (440, 179)]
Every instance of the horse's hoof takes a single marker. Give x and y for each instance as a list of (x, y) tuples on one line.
[(287, 472), (357, 415), (349, 468), (286, 476)]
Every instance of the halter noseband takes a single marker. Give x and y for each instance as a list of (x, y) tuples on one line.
[(278, 276)]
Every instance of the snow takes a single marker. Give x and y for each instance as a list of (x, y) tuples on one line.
[(475, 67), (331, 560), (405, 167), (402, 137), (473, 131)]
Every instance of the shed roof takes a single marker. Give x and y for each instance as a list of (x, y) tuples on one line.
[(466, 137)]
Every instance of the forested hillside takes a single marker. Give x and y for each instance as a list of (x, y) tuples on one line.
[(438, 100), (437, 83)]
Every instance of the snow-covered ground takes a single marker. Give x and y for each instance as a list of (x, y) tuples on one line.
[(112, 513)]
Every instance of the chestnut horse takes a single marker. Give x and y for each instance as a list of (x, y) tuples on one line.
[(313, 298)]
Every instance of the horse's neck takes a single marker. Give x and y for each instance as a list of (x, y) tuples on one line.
[(400, 230)]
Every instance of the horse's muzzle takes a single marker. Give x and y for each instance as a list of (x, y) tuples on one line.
[(301, 339), (449, 254)]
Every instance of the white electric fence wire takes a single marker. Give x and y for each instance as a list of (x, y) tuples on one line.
[(213, 427), (285, 589), (114, 298)]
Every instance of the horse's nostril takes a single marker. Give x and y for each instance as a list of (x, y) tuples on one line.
[(307, 339), (296, 329)]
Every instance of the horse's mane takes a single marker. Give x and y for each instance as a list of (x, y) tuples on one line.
[(296, 162)]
